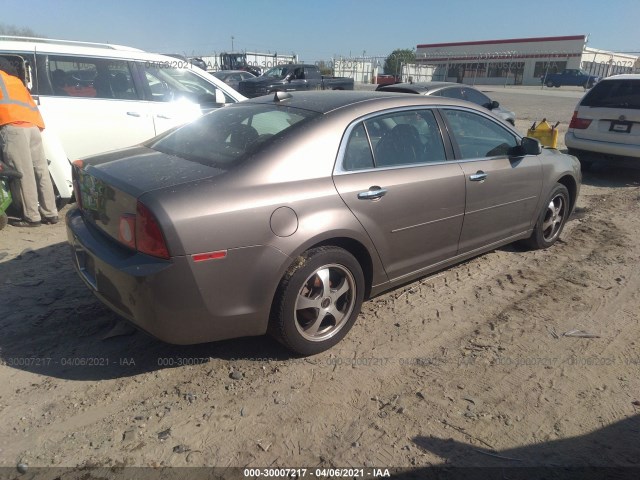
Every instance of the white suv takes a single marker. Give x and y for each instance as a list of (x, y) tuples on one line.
[(606, 122), (99, 97)]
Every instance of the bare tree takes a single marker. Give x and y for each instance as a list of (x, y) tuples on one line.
[(17, 31)]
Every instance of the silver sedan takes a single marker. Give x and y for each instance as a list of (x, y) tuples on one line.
[(452, 90), (282, 214)]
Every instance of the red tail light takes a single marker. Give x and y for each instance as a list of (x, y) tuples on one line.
[(149, 238), (579, 123)]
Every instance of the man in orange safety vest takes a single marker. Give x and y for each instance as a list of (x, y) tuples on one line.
[(21, 148)]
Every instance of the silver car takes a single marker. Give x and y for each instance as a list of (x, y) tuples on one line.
[(283, 213), (233, 77), (452, 90)]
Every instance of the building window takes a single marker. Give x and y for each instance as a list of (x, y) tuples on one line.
[(542, 68), (467, 70), (505, 69)]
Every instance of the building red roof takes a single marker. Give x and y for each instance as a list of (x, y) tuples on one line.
[(507, 40)]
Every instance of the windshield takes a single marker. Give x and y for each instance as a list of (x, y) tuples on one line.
[(277, 72), (614, 94), (225, 137)]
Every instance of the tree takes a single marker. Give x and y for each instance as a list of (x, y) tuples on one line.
[(393, 63), (17, 31), (325, 69)]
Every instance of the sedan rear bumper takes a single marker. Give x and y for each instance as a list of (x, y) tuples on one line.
[(178, 300)]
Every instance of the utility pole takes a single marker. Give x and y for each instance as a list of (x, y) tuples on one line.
[(232, 43)]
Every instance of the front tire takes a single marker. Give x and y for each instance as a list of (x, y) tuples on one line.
[(318, 300), (550, 84), (551, 220)]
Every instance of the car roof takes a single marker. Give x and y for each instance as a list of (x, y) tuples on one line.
[(623, 76), (423, 86), (327, 101), (11, 44)]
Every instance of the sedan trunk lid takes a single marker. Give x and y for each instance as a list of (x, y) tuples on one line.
[(110, 184)]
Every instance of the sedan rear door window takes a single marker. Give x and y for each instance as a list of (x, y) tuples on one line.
[(477, 97), (396, 139), (453, 92), (357, 155), (405, 138)]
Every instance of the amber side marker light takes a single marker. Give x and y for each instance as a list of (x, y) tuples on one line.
[(201, 257)]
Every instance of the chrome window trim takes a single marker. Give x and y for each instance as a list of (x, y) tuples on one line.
[(338, 168)]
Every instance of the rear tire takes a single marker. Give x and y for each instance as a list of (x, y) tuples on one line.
[(551, 219), (318, 300), (550, 84)]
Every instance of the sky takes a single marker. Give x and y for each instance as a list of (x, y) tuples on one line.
[(323, 29)]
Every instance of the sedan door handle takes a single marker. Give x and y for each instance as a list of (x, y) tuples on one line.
[(373, 193), (133, 114), (165, 117), (479, 176)]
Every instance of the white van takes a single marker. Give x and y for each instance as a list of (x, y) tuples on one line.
[(99, 97)]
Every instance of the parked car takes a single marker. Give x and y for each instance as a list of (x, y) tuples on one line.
[(452, 90), (606, 122), (98, 97), (385, 79), (282, 214), (233, 77), (572, 77), (253, 62), (292, 77)]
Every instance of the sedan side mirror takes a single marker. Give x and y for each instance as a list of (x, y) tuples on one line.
[(530, 146), (493, 105), (220, 97)]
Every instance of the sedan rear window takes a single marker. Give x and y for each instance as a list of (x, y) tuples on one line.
[(614, 94), (225, 137)]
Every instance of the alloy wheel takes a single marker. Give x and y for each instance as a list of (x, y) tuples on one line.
[(325, 302), (554, 218)]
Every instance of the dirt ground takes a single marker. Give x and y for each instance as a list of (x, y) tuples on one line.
[(511, 359)]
